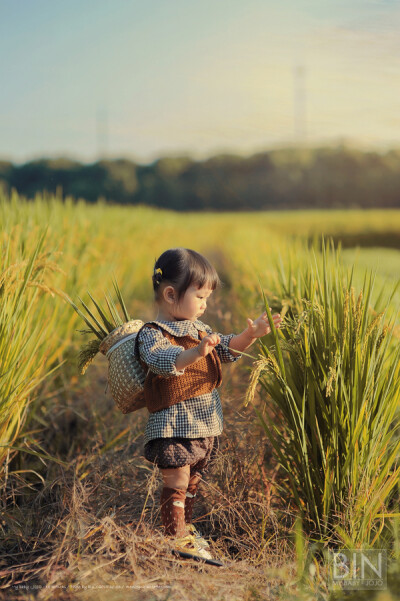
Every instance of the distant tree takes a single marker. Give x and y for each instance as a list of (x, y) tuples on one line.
[(286, 178)]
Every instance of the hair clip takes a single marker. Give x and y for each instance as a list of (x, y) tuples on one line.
[(158, 270)]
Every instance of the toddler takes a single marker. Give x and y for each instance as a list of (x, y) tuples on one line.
[(184, 358)]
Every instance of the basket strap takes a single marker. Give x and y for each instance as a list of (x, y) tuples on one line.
[(135, 348), (117, 344)]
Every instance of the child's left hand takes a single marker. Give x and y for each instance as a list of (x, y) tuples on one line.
[(260, 326)]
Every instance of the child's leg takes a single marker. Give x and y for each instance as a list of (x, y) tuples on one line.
[(197, 471), (173, 496), (191, 496)]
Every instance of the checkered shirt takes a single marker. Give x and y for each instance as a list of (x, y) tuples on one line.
[(196, 417)]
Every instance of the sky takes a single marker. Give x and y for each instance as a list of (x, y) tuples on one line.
[(121, 78)]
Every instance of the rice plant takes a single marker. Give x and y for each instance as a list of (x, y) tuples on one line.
[(332, 382), (25, 355)]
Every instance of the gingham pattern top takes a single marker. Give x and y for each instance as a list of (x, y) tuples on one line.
[(196, 417)]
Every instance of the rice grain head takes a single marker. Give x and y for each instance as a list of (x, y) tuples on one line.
[(332, 378), (372, 326), (258, 367)]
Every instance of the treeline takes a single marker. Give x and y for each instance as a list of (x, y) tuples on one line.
[(279, 179)]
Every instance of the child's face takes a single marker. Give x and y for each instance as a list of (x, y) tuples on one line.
[(193, 304)]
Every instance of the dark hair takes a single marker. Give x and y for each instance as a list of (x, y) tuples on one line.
[(182, 267)]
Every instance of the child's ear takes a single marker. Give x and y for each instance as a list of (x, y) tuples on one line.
[(169, 294)]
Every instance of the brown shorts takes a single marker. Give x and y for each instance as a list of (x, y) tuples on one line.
[(177, 452)]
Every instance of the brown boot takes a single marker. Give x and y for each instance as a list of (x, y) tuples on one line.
[(191, 497), (173, 511)]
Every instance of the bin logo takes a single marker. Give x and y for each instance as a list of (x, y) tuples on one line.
[(357, 569)]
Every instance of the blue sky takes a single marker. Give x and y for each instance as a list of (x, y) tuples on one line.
[(151, 78)]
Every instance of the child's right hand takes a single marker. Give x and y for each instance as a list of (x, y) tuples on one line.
[(207, 344)]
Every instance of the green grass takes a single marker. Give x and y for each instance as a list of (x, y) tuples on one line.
[(386, 261)]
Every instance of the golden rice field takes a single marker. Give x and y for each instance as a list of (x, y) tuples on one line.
[(79, 504)]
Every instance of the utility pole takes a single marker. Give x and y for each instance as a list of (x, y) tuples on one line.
[(102, 133), (300, 114)]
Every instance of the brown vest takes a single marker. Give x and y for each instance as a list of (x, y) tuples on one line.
[(199, 378)]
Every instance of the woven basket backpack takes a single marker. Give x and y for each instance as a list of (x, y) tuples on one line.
[(125, 374)]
